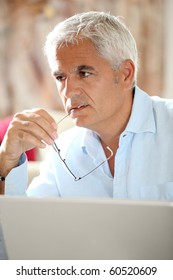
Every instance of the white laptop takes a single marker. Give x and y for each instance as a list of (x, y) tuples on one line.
[(58, 228)]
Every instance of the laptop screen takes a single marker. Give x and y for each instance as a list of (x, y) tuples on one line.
[(59, 228)]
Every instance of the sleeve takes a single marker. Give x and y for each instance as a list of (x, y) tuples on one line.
[(16, 180)]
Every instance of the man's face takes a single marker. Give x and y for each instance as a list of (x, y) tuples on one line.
[(88, 86)]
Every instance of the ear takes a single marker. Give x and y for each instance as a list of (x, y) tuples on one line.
[(126, 74)]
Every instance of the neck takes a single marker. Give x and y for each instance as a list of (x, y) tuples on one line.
[(111, 134), (115, 125)]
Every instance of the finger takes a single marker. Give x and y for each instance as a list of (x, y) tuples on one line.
[(37, 121), (29, 141), (38, 132), (45, 116), (24, 130)]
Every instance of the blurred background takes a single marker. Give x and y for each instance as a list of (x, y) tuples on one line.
[(25, 79)]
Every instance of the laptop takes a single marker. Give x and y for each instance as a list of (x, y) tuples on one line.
[(80, 229)]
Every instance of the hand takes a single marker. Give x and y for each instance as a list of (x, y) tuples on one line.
[(28, 129)]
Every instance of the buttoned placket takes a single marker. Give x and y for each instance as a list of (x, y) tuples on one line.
[(121, 166)]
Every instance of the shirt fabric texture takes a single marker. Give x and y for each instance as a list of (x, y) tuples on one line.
[(143, 162)]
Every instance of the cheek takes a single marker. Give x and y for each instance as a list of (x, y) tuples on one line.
[(109, 100), (60, 93), (60, 90), (59, 87), (106, 93)]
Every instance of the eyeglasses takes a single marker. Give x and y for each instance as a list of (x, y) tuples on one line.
[(76, 178)]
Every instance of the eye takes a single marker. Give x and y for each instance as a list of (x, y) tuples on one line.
[(60, 78), (84, 74)]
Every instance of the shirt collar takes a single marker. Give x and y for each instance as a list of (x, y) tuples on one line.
[(142, 116), (90, 143), (141, 120)]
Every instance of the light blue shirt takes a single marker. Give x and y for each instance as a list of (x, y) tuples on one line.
[(143, 162)]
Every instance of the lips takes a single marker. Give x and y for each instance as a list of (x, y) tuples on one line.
[(77, 107)]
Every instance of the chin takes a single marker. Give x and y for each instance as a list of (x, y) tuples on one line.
[(81, 123)]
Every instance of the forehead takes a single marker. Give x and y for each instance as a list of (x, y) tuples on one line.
[(71, 56), (84, 48)]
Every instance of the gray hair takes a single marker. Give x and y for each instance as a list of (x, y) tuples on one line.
[(110, 36)]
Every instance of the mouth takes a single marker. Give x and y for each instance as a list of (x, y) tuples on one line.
[(77, 108)]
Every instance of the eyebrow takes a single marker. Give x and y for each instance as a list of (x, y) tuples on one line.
[(82, 67), (75, 69)]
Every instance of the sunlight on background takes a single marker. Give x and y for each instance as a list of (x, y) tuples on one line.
[(25, 79)]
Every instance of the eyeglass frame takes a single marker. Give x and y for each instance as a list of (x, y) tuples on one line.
[(64, 161), (69, 170)]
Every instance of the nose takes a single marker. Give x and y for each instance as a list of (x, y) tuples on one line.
[(70, 88)]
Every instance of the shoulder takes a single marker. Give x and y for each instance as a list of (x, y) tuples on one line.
[(163, 115), (162, 102), (155, 111), (158, 102), (162, 106)]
